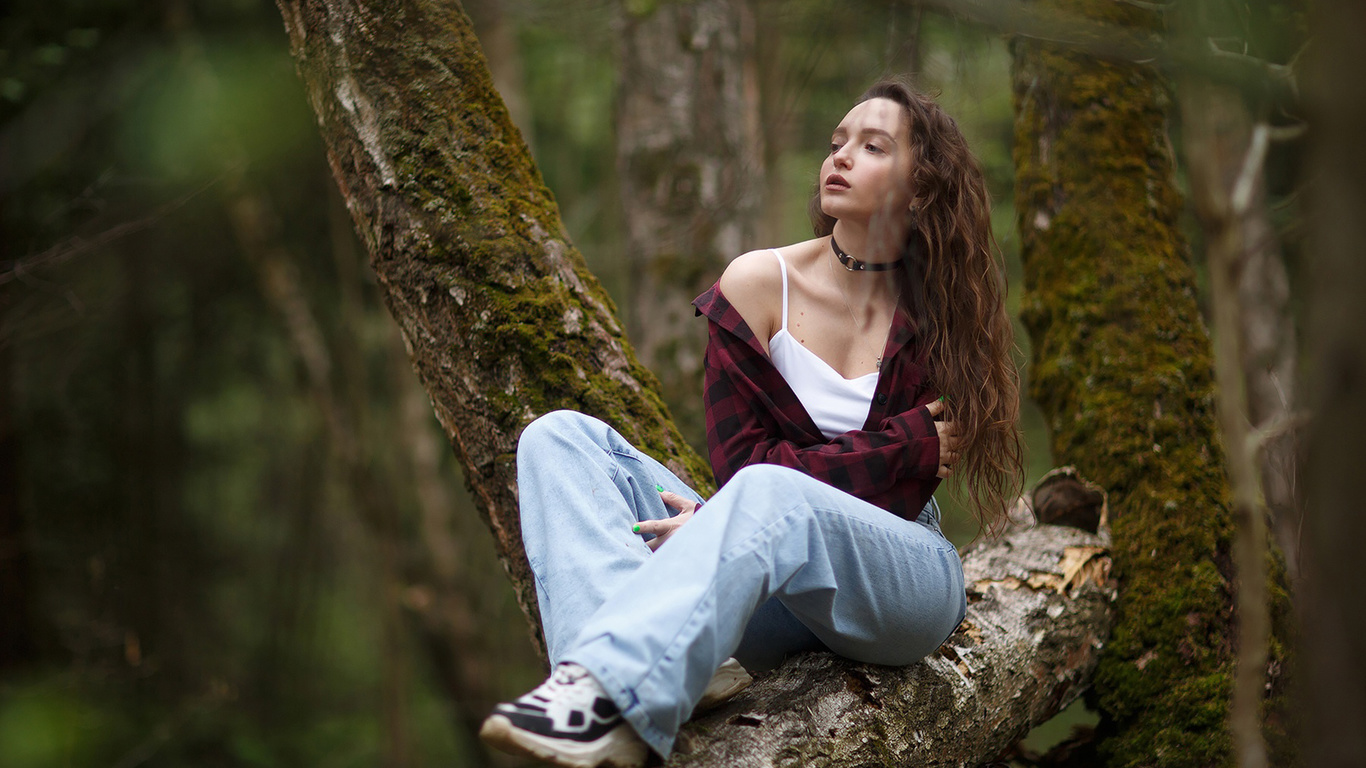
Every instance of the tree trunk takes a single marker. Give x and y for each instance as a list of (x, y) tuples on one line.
[(1122, 370), (690, 160), (1270, 358), (18, 647), (1334, 583), (499, 312), (1225, 154), (1216, 149), (503, 323)]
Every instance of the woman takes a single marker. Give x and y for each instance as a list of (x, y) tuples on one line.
[(845, 376)]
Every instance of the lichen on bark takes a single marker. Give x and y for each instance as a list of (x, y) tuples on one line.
[(1122, 369)]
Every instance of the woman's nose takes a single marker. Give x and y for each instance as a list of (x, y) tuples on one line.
[(843, 160)]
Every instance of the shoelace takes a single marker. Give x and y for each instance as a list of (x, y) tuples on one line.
[(567, 685)]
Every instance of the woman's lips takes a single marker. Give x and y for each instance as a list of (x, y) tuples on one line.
[(835, 182)]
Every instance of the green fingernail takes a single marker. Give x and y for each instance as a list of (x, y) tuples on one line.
[(635, 529), (941, 398), (659, 488)]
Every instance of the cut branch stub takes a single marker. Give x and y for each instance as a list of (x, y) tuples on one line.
[(1063, 497)]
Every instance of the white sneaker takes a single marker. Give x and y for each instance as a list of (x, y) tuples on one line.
[(568, 721), (730, 679)]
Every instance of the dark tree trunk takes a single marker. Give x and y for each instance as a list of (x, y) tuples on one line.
[(18, 647), (1123, 372), (691, 165), (1334, 583)]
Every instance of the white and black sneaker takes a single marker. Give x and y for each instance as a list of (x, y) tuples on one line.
[(568, 721)]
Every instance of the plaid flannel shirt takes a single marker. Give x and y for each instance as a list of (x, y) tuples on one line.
[(754, 417)]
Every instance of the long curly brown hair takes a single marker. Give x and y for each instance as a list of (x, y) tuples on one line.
[(954, 292)]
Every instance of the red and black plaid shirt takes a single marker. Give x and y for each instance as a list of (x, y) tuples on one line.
[(754, 417)]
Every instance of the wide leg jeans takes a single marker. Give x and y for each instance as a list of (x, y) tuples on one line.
[(776, 562)]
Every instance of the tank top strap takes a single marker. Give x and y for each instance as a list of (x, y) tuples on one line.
[(783, 266)]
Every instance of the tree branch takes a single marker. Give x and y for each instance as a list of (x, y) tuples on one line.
[(1274, 82)]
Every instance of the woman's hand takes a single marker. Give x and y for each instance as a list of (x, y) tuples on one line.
[(948, 439), (663, 529)]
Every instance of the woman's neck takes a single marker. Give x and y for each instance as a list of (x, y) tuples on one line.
[(865, 292), (871, 248)]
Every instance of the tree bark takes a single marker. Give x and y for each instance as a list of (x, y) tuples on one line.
[(503, 322), (1333, 624), (690, 159), (1122, 370)]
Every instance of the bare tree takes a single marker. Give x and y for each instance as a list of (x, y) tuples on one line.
[(690, 159)]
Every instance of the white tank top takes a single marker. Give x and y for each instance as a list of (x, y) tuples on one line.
[(836, 404)]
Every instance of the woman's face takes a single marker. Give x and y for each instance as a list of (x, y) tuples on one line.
[(867, 173)]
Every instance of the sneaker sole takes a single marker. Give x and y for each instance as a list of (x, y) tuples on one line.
[(612, 750)]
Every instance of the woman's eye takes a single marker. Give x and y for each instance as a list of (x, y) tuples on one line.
[(834, 147), (872, 148)]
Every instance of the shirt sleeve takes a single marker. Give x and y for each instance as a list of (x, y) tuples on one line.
[(745, 427)]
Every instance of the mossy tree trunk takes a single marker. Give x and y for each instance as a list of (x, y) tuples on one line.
[(501, 317), (1122, 368), (691, 165), (1333, 621)]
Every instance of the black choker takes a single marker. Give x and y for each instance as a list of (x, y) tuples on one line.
[(854, 265)]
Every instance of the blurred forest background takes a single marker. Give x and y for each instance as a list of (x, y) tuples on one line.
[(223, 496)]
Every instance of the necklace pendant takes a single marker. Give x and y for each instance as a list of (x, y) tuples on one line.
[(854, 265)]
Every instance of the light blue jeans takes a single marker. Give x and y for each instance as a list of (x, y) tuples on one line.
[(776, 562)]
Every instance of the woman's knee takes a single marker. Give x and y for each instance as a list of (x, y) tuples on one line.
[(766, 478), (558, 427)]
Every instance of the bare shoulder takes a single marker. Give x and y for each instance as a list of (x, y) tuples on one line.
[(753, 284)]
